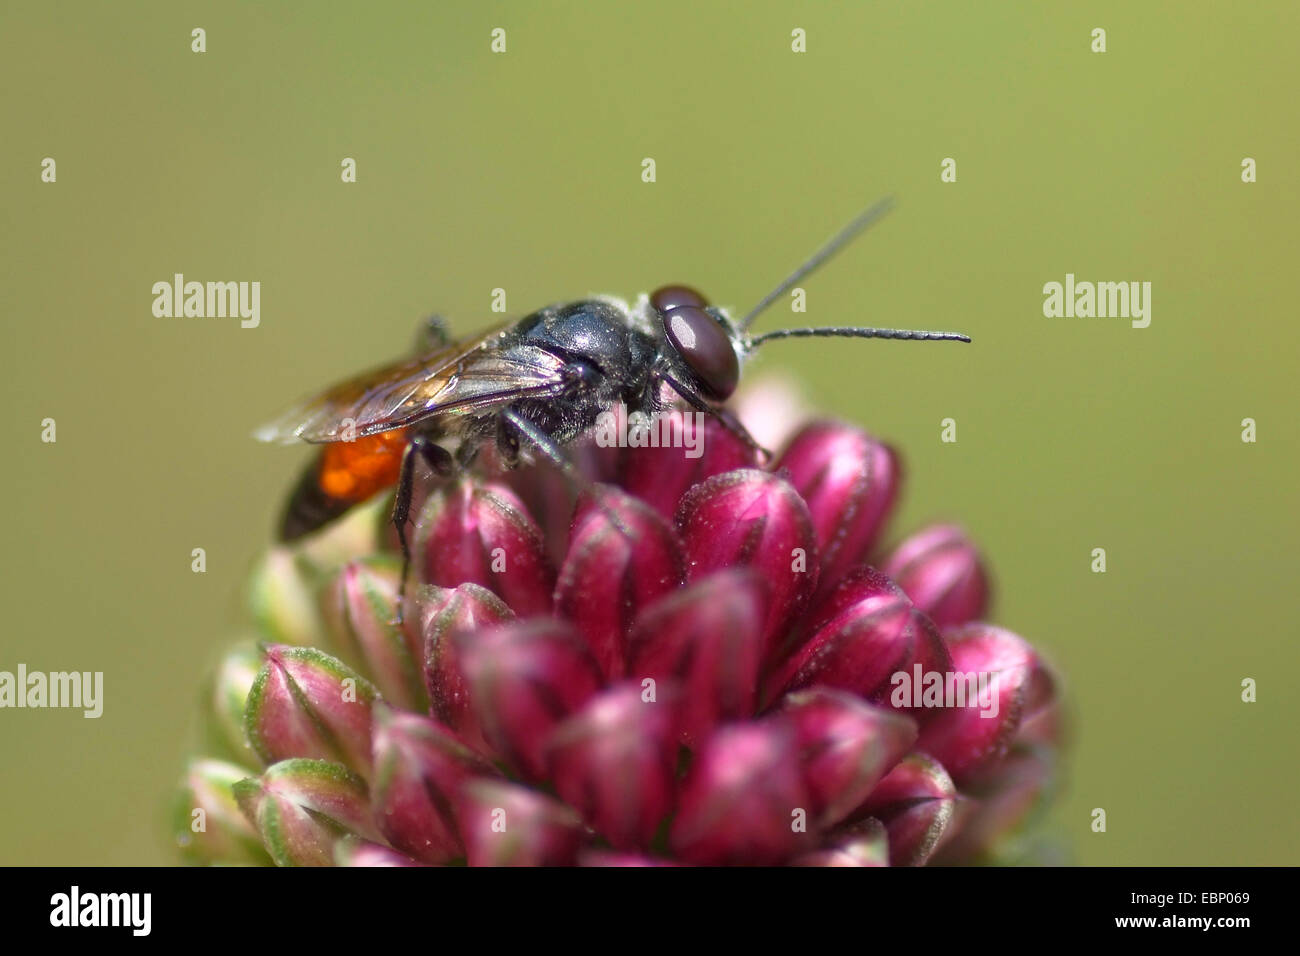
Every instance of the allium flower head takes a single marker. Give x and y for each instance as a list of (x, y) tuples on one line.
[(697, 660)]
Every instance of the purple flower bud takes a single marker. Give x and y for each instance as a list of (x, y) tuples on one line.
[(610, 574), (743, 800), (209, 826), (443, 613), (700, 600), (752, 518), (359, 609), (307, 704), (943, 574), (849, 481), (846, 747), (419, 767), (859, 844), (614, 761), (504, 824), (915, 802), (660, 476), (550, 495), (863, 633), (1000, 665), (708, 641), (354, 852), (482, 534), (523, 679), (302, 807)]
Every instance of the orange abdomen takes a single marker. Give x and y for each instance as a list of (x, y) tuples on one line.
[(354, 471), (343, 474)]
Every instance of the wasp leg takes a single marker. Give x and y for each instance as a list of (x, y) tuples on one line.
[(555, 454), (507, 445), (440, 462), (728, 420)]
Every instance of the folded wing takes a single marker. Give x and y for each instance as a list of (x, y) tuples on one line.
[(465, 377)]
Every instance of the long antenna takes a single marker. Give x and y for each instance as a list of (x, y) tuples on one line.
[(859, 332), (834, 245)]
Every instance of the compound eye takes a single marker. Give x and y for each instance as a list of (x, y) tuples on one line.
[(706, 349), (676, 296)]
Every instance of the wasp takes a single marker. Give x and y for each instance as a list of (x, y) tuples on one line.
[(531, 387)]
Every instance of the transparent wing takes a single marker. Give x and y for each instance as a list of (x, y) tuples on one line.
[(455, 379)]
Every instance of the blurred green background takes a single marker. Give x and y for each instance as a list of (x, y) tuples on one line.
[(523, 171)]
